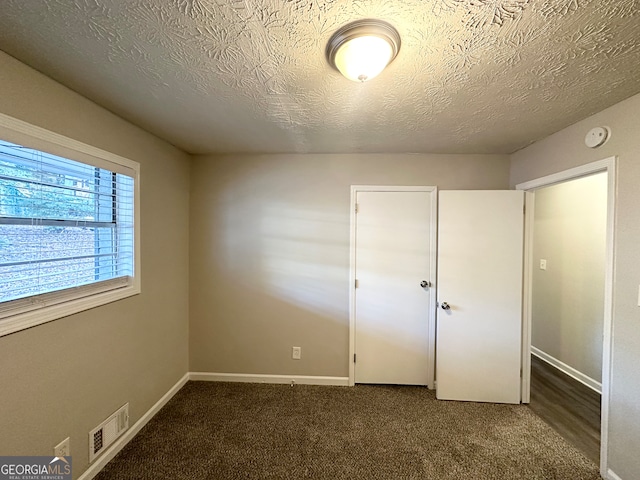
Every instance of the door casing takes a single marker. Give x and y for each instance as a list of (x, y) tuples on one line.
[(606, 165), (432, 274)]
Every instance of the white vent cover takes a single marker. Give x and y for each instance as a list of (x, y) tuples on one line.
[(108, 431)]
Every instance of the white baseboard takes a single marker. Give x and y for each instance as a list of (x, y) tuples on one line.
[(119, 444), (572, 372), (612, 476), (259, 378)]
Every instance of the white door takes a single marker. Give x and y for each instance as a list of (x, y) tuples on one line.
[(393, 255), (480, 255)]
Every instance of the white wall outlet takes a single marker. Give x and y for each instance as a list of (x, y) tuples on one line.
[(543, 264), (296, 353), (63, 449)]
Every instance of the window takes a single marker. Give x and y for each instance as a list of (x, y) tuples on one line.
[(68, 237)]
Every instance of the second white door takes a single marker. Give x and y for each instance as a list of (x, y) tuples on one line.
[(480, 235), (393, 257)]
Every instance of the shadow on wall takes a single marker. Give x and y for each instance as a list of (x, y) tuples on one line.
[(302, 257), (273, 273)]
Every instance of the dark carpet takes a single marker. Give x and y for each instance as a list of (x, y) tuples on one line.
[(252, 431)]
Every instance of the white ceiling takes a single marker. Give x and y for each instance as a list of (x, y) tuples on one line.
[(212, 76)]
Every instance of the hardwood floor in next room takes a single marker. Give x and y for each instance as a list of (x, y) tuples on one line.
[(568, 406)]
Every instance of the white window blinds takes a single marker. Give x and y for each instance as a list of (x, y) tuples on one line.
[(66, 228)]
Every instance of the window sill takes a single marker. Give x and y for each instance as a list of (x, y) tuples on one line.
[(21, 321)]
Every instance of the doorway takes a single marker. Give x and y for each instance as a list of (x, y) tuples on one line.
[(568, 307)]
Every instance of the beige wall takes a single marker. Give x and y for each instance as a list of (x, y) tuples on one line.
[(270, 252), (566, 149), (568, 297), (63, 378)]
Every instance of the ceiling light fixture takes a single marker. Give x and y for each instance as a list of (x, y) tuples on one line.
[(362, 49)]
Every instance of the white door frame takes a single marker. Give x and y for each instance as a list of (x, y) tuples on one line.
[(432, 274), (606, 165)]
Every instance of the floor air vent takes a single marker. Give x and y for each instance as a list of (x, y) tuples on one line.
[(101, 437)]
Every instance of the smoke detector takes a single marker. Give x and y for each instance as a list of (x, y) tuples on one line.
[(597, 136)]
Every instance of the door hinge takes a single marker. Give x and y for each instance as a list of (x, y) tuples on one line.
[(356, 208), (356, 283), (354, 358)]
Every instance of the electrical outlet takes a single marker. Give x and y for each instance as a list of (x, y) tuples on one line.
[(296, 353), (63, 449)]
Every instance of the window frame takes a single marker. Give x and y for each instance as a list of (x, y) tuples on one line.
[(77, 299)]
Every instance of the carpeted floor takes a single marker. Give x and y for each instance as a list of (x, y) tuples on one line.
[(252, 431)]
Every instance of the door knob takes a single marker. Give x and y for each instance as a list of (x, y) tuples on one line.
[(445, 306), (425, 284)]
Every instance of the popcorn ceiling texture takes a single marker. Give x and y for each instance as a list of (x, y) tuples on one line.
[(472, 76)]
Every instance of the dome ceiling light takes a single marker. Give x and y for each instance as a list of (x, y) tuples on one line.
[(360, 50)]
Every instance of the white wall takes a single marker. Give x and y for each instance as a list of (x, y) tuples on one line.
[(568, 297), (63, 378), (565, 149)]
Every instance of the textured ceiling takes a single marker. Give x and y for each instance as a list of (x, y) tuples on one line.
[(472, 76)]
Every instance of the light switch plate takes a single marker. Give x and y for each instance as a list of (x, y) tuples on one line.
[(543, 264)]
